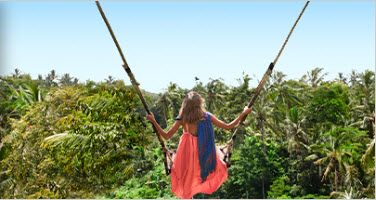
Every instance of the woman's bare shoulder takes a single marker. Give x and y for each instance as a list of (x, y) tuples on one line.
[(212, 115)]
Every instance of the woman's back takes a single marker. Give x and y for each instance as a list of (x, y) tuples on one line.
[(197, 165), (191, 128)]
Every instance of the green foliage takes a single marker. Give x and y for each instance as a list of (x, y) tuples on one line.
[(78, 140), (313, 196), (329, 103), (261, 167), (284, 197), (152, 184), (304, 139), (279, 187)]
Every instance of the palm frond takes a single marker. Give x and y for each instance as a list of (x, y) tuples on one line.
[(311, 157), (352, 174), (368, 159), (6, 184), (66, 140), (328, 168)]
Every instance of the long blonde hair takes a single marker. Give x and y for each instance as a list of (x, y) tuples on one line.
[(192, 109)]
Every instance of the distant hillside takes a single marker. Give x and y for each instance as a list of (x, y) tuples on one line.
[(151, 94)]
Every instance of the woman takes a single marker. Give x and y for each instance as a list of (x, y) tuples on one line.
[(197, 167)]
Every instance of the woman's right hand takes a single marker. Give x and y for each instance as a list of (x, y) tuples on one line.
[(150, 117), (247, 110)]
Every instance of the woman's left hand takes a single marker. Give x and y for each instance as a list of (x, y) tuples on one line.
[(247, 110)]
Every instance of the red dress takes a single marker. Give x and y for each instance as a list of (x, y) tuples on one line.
[(185, 172)]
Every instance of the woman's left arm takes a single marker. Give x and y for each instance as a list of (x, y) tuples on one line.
[(166, 135), (231, 125)]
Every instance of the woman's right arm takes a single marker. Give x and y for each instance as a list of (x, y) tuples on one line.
[(231, 125), (166, 135)]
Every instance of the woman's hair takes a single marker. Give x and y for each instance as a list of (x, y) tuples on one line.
[(192, 109)]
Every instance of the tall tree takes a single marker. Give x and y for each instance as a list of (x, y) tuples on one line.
[(283, 92), (16, 74), (66, 80), (110, 80), (315, 76), (170, 101), (51, 77), (336, 150), (295, 133), (214, 94), (341, 78)]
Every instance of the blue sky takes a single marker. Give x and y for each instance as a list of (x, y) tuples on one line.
[(176, 41)]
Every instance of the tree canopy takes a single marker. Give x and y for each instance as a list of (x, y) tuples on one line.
[(311, 138)]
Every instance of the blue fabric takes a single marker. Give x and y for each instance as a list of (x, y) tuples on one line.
[(206, 147)]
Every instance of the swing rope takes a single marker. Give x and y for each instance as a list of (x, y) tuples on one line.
[(288, 37), (136, 84), (229, 145), (268, 72)]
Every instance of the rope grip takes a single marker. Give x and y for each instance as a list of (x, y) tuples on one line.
[(130, 74), (271, 66), (167, 151), (127, 69), (270, 69)]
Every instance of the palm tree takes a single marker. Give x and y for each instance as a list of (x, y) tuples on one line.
[(40, 77), (284, 93), (352, 176), (51, 78), (66, 79), (368, 162), (176, 95), (315, 76), (263, 112), (17, 74), (367, 83), (346, 195), (165, 102), (335, 150), (341, 78), (199, 87), (170, 99), (363, 117), (214, 94), (90, 84), (75, 81), (295, 133), (368, 159), (362, 102), (353, 77), (314, 142), (110, 80)]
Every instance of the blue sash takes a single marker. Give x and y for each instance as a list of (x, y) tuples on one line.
[(206, 147)]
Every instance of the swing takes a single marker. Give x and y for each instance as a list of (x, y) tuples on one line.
[(225, 150)]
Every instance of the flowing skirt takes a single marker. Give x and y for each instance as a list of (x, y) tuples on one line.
[(185, 172)]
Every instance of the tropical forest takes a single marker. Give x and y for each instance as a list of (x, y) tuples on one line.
[(306, 138)]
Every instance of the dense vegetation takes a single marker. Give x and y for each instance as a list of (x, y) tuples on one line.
[(309, 138)]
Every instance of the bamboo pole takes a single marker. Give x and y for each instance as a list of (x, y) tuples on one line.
[(135, 85), (258, 91)]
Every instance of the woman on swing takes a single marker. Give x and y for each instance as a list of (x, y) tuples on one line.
[(197, 166)]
